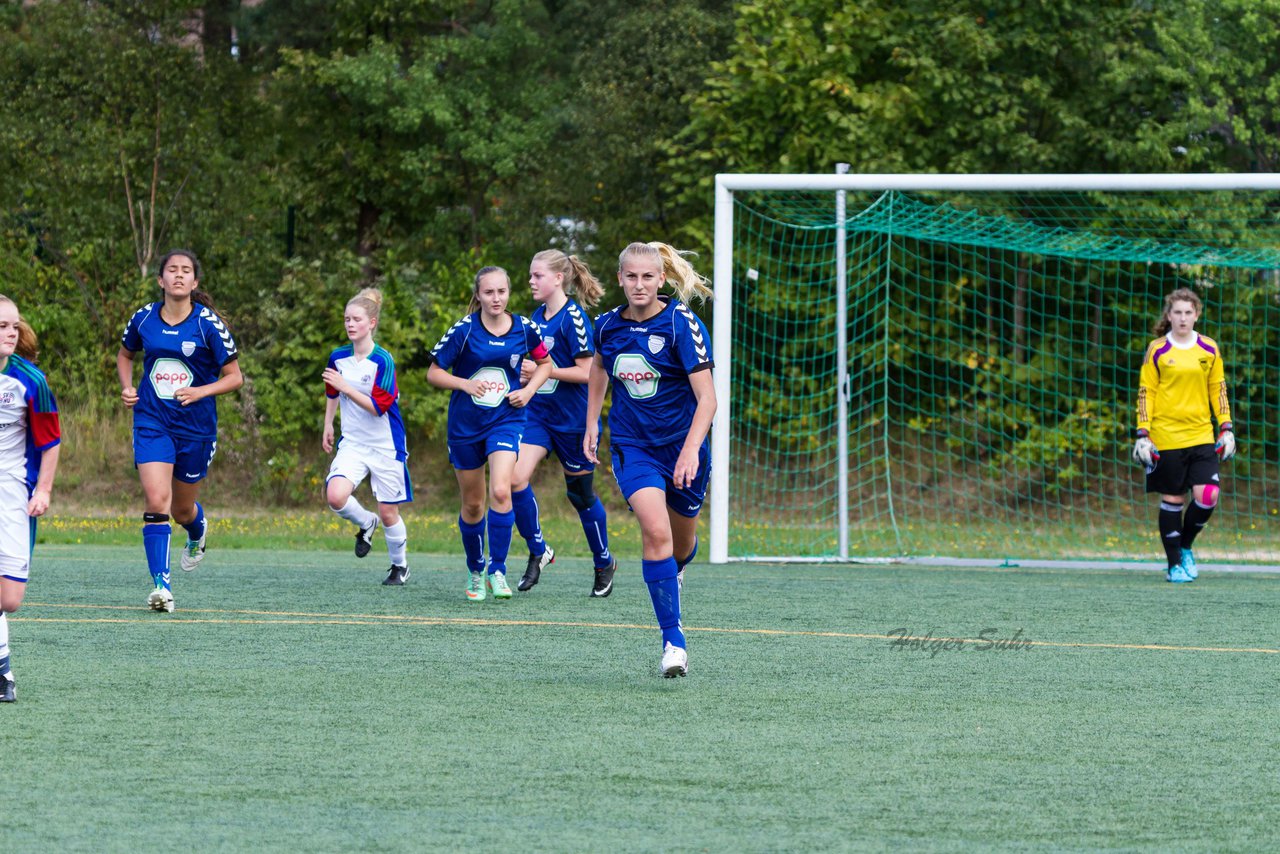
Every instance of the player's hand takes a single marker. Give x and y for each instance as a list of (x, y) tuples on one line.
[(591, 444), (1226, 445), (686, 470), (39, 503), (129, 395), (1144, 451), (519, 398), (334, 379), (189, 395), (326, 439), (526, 370), (472, 388)]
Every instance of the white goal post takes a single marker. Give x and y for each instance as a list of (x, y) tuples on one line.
[(837, 184)]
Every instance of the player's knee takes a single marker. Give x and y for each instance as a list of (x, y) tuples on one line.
[(473, 509), (582, 494), (1209, 498), (390, 514), (499, 496), (11, 602)]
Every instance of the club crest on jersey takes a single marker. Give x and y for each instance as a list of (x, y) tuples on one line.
[(637, 376), (655, 344), (515, 361), (188, 347), (6, 398), (493, 382), (548, 341)]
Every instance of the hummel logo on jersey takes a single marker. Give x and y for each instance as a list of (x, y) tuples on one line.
[(493, 343), (639, 329), (170, 332), (503, 444), (192, 474)]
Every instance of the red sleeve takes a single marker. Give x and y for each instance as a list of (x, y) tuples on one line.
[(46, 429), (382, 399)]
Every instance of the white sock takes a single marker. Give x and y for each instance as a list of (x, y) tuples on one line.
[(397, 543), (4, 635), (353, 511)]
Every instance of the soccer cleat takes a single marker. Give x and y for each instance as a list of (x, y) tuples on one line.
[(475, 586), (533, 571), (396, 576), (192, 554), (1189, 564), (1177, 574), (7, 692), (498, 585), (364, 538), (675, 662), (604, 580), (161, 600)]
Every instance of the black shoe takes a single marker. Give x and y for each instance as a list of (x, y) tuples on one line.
[(396, 576), (533, 571), (7, 694), (364, 539), (604, 580)]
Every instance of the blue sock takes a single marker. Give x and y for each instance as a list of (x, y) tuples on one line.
[(681, 564), (664, 591), (195, 528), (595, 526), (473, 543), (500, 525), (4, 666), (525, 505), (155, 542)]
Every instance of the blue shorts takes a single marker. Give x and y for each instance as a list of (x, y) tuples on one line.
[(636, 468), (190, 457), (566, 446), (465, 456)]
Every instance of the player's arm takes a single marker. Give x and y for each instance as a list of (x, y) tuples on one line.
[(541, 358), (1221, 407), (686, 469), (326, 427), (1144, 450), (578, 373), (229, 379), (597, 383), (439, 377), (124, 370), (42, 494)]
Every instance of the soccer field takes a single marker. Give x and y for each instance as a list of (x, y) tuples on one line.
[(293, 703)]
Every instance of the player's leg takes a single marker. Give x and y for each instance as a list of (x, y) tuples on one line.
[(1171, 535), (17, 535), (190, 466), (157, 490), (391, 487), (345, 473), (659, 568), (684, 505), (1205, 494), (525, 506), (472, 489), (502, 519), (580, 490)]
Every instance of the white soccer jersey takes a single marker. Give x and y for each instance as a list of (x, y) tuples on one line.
[(375, 376)]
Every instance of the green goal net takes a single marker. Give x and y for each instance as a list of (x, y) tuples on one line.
[(992, 348)]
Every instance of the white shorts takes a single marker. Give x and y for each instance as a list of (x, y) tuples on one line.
[(388, 476), (17, 530)]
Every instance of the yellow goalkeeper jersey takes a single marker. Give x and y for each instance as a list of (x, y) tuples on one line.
[(1178, 389)]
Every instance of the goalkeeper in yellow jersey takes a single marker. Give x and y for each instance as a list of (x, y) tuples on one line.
[(1182, 391)]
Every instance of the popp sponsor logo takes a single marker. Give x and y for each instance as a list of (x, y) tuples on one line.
[(637, 376), (168, 376), (494, 387)]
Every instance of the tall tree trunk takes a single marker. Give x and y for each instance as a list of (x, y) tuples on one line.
[(366, 240), (215, 34)]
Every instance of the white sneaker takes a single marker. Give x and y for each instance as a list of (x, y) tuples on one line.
[(192, 554), (161, 600), (675, 661)]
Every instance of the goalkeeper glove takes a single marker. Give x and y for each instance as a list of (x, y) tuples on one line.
[(1144, 451), (1226, 445)]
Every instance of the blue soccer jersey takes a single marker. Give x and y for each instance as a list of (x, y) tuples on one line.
[(649, 363), (190, 353), (374, 375), (29, 423), (567, 336), (469, 350)]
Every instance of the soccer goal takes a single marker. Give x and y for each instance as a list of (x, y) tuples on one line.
[(946, 365)]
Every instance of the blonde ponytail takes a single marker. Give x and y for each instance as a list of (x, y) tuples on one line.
[(687, 282), (578, 278)]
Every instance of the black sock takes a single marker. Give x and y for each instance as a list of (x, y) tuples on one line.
[(1171, 532), (1196, 518)]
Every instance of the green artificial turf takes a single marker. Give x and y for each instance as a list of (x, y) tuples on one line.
[(292, 703)]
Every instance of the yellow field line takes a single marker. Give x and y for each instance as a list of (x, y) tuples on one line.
[(311, 619)]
